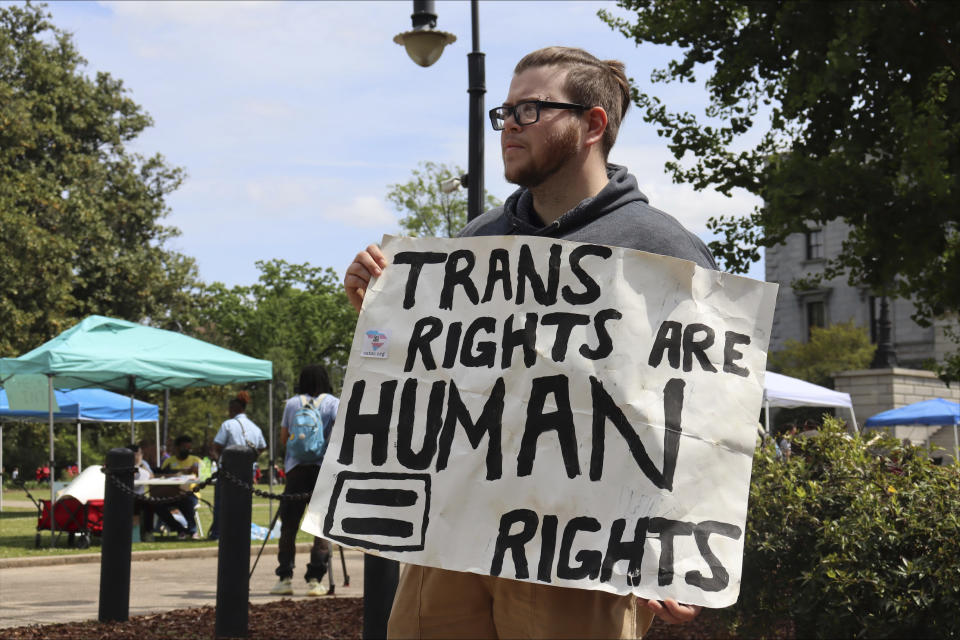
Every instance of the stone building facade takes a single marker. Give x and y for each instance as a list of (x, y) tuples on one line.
[(836, 301)]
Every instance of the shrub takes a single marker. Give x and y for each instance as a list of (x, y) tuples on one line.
[(858, 536)]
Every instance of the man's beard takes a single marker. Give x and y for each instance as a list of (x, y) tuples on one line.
[(558, 149)]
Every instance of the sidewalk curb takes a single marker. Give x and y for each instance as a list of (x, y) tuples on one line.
[(137, 556)]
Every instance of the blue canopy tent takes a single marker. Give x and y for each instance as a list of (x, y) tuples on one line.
[(937, 412), (86, 405), (79, 406)]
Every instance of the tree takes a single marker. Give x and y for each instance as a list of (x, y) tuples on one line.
[(840, 347), (296, 314), (430, 212), (80, 214), (863, 108)]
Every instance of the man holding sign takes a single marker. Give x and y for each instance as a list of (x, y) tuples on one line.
[(558, 123)]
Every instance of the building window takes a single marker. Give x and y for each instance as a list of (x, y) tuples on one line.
[(816, 316), (814, 244)]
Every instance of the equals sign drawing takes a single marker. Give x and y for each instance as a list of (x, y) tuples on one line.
[(379, 526), (378, 510)]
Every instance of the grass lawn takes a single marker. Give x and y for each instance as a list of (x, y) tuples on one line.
[(18, 528)]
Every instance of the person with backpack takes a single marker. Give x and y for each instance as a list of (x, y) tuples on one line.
[(236, 429), (305, 431)]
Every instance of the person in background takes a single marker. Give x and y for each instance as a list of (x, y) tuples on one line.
[(184, 463), (301, 476), (149, 450), (810, 428), (237, 429), (786, 439), (142, 508)]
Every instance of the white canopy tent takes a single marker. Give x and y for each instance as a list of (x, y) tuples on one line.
[(783, 391)]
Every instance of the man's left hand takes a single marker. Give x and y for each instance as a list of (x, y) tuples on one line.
[(671, 611)]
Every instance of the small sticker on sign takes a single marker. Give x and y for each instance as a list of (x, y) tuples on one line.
[(374, 344)]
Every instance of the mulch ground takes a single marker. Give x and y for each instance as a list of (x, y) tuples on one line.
[(321, 619)]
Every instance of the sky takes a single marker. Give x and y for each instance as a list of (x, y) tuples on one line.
[(292, 119)]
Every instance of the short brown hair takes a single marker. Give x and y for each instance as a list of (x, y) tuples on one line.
[(590, 81)]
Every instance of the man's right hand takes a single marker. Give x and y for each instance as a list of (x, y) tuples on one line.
[(369, 263)]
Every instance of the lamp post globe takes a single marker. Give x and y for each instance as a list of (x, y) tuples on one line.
[(424, 46)]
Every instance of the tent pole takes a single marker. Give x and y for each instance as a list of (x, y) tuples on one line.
[(766, 414), (270, 462), (156, 448), (53, 520), (79, 462), (2, 473), (956, 448), (166, 424), (133, 435)]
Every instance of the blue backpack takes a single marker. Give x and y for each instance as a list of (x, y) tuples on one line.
[(307, 442)]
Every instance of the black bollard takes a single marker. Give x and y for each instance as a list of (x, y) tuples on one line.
[(380, 577), (117, 537), (233, 561)]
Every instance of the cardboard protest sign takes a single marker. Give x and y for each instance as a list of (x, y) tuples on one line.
[(571, 414)]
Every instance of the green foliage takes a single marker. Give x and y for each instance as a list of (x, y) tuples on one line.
[(855, 536), (839, 347), (429, 212), (79, 213), (862, 103), (295, 314)]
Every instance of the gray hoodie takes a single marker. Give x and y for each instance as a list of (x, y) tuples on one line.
[(619, 216)]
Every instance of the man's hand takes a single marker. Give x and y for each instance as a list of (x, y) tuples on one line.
[(671, 611), (368, 264)]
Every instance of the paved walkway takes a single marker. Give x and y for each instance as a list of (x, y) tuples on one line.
[(70, 592)]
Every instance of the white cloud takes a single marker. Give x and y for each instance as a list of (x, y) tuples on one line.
[(293, 116), (269, 109), (283, 193), (192, 13), (692, 208), (363, 211)]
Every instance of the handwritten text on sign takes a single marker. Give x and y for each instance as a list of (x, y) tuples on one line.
[(563, 413)]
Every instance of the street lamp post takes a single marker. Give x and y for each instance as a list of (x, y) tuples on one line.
[(424, 45), (885, 356)]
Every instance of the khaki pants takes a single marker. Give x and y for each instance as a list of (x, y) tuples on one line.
[(437, 603)]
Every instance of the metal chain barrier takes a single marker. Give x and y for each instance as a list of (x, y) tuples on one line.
[(139, 497), (292, 497)]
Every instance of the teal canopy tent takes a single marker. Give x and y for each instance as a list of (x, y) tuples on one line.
[(125, 356)]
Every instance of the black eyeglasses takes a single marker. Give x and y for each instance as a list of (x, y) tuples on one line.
[(526, 112)]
